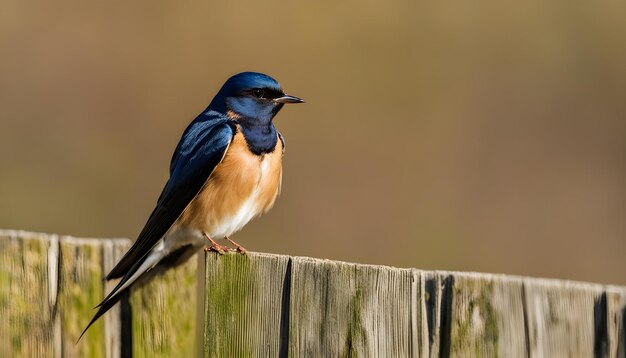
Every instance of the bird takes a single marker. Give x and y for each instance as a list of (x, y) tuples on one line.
[(225, 171)]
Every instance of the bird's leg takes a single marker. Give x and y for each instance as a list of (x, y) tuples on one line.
[(240, 249), (215, 246)]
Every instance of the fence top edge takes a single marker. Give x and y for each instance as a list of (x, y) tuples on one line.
[(498, 277), (30, 235)]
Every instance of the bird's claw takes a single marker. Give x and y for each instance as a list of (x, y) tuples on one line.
[(223, 249), (240, 249), (217, 248)]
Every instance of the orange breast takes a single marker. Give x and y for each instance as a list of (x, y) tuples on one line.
[(242, 186)]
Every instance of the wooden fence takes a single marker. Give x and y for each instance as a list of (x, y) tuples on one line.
[(262, 305)]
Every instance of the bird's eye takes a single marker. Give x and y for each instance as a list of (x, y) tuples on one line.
[(258, 93)]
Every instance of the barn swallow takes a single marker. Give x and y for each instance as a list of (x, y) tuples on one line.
[(225, 171)]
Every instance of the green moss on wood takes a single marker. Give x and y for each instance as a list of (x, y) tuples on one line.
[(474, 325), (243, 299), (24, 296), (80, 289), (164, 314), (356, 331), (228, 289)]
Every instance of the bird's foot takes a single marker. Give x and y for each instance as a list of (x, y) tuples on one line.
[(240, 249), (215, 246)]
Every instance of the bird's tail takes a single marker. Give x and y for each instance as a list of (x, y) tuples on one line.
[(135, 272), (103, 307), (156, 262)]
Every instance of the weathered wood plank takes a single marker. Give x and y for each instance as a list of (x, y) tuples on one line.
[(420, 340), (614, 343), (243, 301), (343, 310), (164, 314), (80, 288), (487, 316), (27, 329), (48, 288), (560, 317), (113, 250)]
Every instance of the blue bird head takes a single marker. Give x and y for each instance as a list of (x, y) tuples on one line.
[(251, 98)]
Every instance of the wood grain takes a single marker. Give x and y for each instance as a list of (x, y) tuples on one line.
[(244, 305), (342, 309), (487, 316), (163, 314), (262, 305), (49, 285), (561, 317)]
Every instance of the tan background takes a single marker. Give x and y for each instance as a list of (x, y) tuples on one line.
[(467, 136)]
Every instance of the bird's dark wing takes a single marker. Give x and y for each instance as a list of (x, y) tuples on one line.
[(200, 150)]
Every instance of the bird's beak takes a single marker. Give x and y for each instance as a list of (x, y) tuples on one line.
[(288, 99)]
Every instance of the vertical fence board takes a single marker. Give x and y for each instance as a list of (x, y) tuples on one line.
[(420, 346), (487, 316), (80, 289), (560, 318), (24, 292), (243, 304), (615, 323), (163, 314), (340, 309), (113, 250)]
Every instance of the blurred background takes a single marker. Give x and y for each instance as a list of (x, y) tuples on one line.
[(455, 136)]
